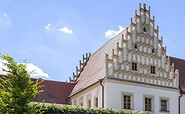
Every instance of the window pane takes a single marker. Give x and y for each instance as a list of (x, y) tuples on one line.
[(89, 103), (152, 69), (148, 104), (96, 102), (164, 105), (127, 102), (134, 66)]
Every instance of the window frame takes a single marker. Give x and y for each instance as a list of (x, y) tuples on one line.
[(153, 51), (81, 103), (96, 102), (144, 29), (167, 104), (153, 70), (152, 102), (131, 100), (89, 103), (134, 66)]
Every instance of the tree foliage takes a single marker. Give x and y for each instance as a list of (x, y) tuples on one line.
[(17, 90)]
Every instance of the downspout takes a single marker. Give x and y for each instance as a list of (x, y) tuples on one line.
[(101, 80), (180, 103), (181, 92)]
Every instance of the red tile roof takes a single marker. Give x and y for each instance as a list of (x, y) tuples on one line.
[(55, 92), (179, 64), (95, 68)]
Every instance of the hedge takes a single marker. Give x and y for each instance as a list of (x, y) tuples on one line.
[(60, 109)]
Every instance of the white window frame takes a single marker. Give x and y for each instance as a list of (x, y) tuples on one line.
[(131, 102), (168, 104), (152, 102)]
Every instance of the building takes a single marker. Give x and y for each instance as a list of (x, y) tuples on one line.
[(132, 71)]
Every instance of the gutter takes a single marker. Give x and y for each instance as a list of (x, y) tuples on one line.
[(101, 80)]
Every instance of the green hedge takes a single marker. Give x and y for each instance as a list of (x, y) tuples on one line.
[(59, 109)]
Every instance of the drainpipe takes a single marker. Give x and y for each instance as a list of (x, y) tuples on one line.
[(180, 103), (101, 80), (181, 92)]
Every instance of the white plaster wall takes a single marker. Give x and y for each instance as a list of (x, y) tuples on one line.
[(113, 97), (182, 104), (91, 94)]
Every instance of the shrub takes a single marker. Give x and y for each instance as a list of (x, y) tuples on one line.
[(62, 109)]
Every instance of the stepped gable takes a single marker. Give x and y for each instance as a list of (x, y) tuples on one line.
[(138, 42), (180, 64), (82, 64), (54, 92)]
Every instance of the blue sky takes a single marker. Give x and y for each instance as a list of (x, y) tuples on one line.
[(54, 34)]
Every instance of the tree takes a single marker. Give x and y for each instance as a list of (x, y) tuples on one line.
[(17, 90)]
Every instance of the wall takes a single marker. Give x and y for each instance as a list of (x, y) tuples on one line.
[(89, 94), (113, 98), (182, 104)]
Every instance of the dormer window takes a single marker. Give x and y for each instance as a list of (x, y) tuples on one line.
[(51, 96)]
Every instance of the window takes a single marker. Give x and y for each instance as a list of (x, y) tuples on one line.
[(75, 102), (51, 96), (148, 104), (153, 51), (89, 103), (96, 102), (152, 69), (135, 46), (127, 101), (144, 29), (134, 66), (163, 105), (81, 104)]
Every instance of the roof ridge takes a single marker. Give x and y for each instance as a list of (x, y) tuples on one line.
[(50, 80), (177, 58)]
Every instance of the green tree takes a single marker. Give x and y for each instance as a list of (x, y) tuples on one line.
[(17, 90)]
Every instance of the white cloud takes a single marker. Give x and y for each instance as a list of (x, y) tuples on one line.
[(65, 30), (111, 33), (5, 21), (36, 71), (5, 14), (48, 26)]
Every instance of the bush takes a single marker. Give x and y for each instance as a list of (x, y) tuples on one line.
[(60, 109)]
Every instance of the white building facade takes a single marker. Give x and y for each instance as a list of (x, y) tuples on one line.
[(131, 71)]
